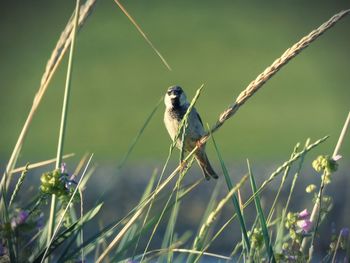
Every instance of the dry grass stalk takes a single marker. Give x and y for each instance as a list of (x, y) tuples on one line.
[(64, 40), (214, 214), (39, 164), (52, 64), (270, 71), (149, 42)]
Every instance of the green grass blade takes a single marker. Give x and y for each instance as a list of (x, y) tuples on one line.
[(166, 206), (265, 183), (6, 220), (283, 166), (284, 177), (144, 196), (198, 242), (278, 242), (130, 234), (138, 212), (67, 206), (234, 198), (18, 185), (136, 139), (169, 231), (240, 244), (71, 230), (261, 217), (156, 219), (63, 125), (179, 191), (210, 207), (182, 253), (154, 255), (108, 231), (69, 245)]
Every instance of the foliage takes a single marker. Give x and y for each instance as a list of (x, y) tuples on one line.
[(30, 233)]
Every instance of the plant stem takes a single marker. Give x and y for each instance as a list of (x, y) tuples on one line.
[(316, 207), (63, 119)]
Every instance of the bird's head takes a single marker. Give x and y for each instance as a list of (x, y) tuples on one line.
[(175, 97)]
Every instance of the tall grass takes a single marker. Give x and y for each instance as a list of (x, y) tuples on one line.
[(63, 125), (63, 241)]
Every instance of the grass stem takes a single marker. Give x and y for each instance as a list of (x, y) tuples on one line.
[(316, 208), (63, 119)]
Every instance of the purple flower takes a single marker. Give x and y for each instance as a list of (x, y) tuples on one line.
[(337, 157), (304, 221), (2, 250), (64, 177), (304, 215), (63, 168), (20, 219), (40, 221), (344, 232), (305, 225)]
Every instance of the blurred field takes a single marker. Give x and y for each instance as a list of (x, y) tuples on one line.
[(118, 79)]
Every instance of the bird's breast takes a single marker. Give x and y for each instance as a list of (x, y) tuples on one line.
[(172, 122)]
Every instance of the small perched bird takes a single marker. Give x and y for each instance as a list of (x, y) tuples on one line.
[(176, 105)]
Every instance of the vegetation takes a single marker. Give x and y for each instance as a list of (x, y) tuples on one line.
[(28, 233)]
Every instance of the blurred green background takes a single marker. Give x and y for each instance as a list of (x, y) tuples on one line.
[(118, 79)]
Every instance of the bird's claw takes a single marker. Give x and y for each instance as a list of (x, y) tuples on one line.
[(199, 144), (183, 166)]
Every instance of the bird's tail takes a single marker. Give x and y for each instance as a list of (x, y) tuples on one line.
[(205, 166)]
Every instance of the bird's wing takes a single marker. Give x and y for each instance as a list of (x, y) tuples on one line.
[(199, 118)]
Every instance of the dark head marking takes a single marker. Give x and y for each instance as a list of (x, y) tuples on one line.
[(175, 90)]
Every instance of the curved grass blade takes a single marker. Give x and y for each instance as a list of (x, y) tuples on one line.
[(278, 242), (198, 242), (163, 251), (74, 228), (132, 20), (144, 196), (136, 139), (63, 125), (234, 198), (67, 207), (284, 177), (266, 182), (166, 206), (110, 229), (19, 184), (261, 217), (210, 207)]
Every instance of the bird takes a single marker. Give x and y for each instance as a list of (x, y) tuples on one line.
[(176, 105)]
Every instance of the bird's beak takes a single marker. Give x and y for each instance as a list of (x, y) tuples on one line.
[(172, 95)]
